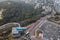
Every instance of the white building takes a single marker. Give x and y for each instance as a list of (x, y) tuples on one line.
[(15, 33), (57, 5)]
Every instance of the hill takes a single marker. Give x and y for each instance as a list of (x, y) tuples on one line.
[(19, 12)]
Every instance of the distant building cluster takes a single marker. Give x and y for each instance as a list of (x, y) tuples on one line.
[(50, 31)]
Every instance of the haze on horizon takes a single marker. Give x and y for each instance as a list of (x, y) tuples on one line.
[(2, 0), (8, 0)]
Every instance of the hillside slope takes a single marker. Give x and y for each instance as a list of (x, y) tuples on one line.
[(19, 12)]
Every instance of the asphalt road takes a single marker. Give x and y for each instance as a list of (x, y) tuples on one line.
[(37, 25)]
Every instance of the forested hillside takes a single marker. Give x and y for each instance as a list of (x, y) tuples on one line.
[(19, 12)]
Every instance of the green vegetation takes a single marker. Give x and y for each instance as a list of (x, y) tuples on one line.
[(20, 12)]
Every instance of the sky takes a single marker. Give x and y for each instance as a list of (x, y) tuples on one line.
[(2, 0), (9, 0)]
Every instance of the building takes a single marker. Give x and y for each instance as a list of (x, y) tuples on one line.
[(5, 30), (18, 31), (51, 30), (57, 6), (15, 33)]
